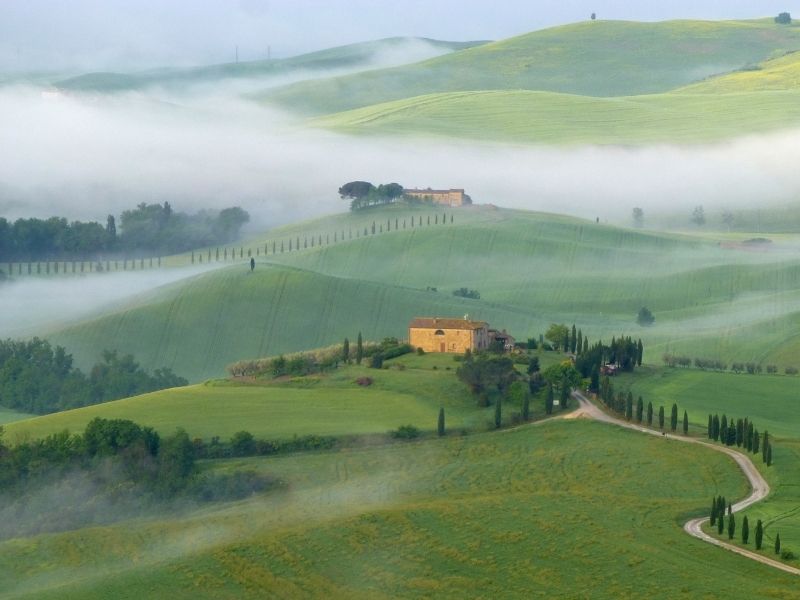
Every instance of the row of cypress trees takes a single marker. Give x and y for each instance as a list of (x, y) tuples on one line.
[(624, 404), (718, 511), (741, 434)]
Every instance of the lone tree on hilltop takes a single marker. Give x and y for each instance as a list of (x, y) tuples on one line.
[(638, 217), (594, 16), (644, 317), (784, 18)]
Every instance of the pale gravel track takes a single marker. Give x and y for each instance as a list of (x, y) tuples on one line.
[(760, 487)]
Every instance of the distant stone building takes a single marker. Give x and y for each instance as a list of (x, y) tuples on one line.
[(454, 197), (508, 341), (434, 334)]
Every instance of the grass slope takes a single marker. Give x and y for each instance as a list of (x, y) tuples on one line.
[(538, 510), (601, 58), (531, 269), (352, 56), (552, 118), (331, 404), (770, 402), (773, 75)]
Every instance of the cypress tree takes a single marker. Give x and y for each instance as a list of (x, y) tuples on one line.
[(440, 424), (649, 414), (526, 407), (629, 407), (685, 423), (566, 342), (673, 418), (639, 409), (661, 417), (713, 512), (764, 446), (564, 397), (721, 522), (715, 429), (346, 351), (769, 455), (359, 349), (585, 345), (739, 433), (498, 413), (745, 530), (573, 340), (579, 345), (731, 525), (639, 353), (723, 430), (756, 441), (777, 543), (759, 534), (548, 402)]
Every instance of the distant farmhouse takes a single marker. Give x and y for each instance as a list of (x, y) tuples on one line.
[(434, 334), (452, 197)]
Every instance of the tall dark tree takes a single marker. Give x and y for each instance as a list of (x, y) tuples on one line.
[(564, 397), (359, 349), (710, 432), (685, 423), (777, 543), (640, 353), (731, 525), (639, 410), (440, 423), (759, 534), (579, 345), (548, 401), (721, 521), (526, 407), (769, 455), (673, 418), (573, 339), (756, 441), (346, 351), (629, 407), (745, 530), (649, 414), (498, 413), (661, 417), (764, 446), (713, 520)]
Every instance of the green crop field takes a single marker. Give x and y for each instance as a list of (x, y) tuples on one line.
[(411, 391), (551, 118), (770, 401), (602, 58), (352, 57), (532, 269), (536, 511)]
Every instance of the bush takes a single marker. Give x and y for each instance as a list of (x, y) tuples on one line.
[(467, 293), (376, 362), (364, 381), (787, 554), (791, 371), (243, 444), (420, 352), (405, 432), (772, 369), (644, 317), (784, 18)]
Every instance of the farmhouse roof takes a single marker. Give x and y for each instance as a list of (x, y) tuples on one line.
[(439, 323), (430, 191)]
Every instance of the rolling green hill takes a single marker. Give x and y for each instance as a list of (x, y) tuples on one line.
[(411, 392), (773, 75), (352, 56), (531, 269), (499, 514), (551, 118), (601, 58)]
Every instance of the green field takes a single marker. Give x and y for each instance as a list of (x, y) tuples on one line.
[(770, 401), (411, 391), (9, 416), (536, 511), (352, 57), (532, 269), (777, 74), (601, 58), (523, 116)]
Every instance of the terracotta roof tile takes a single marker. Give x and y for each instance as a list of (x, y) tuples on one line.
[(440, 323)]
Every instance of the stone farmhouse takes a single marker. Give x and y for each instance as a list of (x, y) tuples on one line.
[(435, 334), (454, 197)]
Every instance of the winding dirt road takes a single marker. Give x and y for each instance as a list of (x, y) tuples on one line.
[(694, 526)]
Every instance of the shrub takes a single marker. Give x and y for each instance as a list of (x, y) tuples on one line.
[(772, 369), (787, 554), (791, 370), (376, 362), (364, 381), (405, 432), (784, 18), (420, 351), (467, 293)]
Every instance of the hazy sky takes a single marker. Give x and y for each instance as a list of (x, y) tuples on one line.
[(127, 34)]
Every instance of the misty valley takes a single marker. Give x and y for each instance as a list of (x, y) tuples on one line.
[(504, 304)]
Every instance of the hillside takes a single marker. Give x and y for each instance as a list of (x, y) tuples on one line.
[(352, 57), (410, 391), (531, 269), (551, 118), (459, 518), (773, 75), (600, 58)]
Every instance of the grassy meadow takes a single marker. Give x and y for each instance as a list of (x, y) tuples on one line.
[(600, 58), (535, 511), (536, 117), (770, 401)]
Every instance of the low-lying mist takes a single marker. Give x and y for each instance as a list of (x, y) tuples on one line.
[(87, 156), (33, 304)]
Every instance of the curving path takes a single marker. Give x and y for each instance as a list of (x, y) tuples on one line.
[(694, 526)]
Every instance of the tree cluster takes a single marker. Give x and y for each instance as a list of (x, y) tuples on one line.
[(714, 364), (363, 194), (784, 18), (467, 293), (37, 378), (487, 375), (150, 228), (740, 433)]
